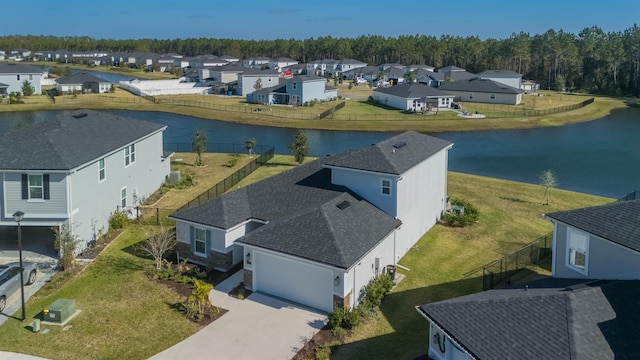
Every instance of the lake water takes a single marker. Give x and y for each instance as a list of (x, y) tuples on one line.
[(598, 157)]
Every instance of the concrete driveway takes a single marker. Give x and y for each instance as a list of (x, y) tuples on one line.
[(47, 266), (259, 327)]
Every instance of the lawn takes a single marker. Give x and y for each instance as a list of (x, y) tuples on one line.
[(510, 216)]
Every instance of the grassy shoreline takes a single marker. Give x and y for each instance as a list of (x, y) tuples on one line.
[(601, 107)]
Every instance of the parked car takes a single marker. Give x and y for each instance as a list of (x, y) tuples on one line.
[(10, 279)]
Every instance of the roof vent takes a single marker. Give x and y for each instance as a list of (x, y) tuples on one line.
[(399, 145), (343, 205), (78, 116)]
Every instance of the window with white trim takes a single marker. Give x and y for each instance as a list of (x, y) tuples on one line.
[(470, 96), (123, 197), (386, 187), (101, 170), (36, 187), (493, 96), (129, 154), (200, 240), (577, 250)]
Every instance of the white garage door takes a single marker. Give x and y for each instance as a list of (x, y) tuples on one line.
[(299, 282)]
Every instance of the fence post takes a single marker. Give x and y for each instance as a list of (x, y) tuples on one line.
[(157, 216)]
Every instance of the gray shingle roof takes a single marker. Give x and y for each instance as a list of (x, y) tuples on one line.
[(66, 142), (597, 320), (479, 85), (501, 73), (11, 68), (80, 79), (329, 233), (392, 156), (617, 222), (304, 78), (412, 90)]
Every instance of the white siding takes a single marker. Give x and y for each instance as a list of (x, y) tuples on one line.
[(393, 101), (369, 186)]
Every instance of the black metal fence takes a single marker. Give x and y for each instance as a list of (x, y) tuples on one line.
[(634, 195), (502, 269)]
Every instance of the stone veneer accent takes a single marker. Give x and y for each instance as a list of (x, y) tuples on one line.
[(339, 302), (247, 278), (215, 260)]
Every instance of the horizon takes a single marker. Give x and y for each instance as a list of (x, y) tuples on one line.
[(258, 21)]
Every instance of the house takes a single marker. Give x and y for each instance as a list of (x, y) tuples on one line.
[(362, 74), (13, 76), (529, 86), (600, 242), (324, 67), (223, 74), (256, 62), (164, 87), (297, 90), (280, 63), (317, 234), (586, 310), (548, 319), (77, 169), (506, 77), (249, 77), (345, 65), (483, 91), (412, 97), (83, 83), (454, 73)]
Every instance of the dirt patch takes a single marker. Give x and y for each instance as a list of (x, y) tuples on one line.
[(309, 350)]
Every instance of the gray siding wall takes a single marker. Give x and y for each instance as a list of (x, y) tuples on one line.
[(246, 83), (480, 97), (15, 85), (48, 212), (92, 201), (606, 260)]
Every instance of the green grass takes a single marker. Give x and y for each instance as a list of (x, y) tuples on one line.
[(510, 216), (124, 315)]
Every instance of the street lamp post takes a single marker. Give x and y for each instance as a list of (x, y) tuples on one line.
[(18, 216)]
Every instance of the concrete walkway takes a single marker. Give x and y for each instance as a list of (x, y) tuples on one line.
[(259, 327), (15, 356)]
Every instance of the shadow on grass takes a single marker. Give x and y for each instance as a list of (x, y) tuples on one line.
[(409, 338)]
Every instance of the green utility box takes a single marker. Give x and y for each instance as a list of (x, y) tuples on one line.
[(60, 310)]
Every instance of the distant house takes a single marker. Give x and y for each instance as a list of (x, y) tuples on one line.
[(412, 97), (362, 74), (279, 63), (324, 67), (318, 233), (483, 91), (506, 77), (248, 78), (77, 169), (164, 87), (454, 73), (298, 90), (83, 83), (256, 62), (13, 76), (529, 86), (549, 319)]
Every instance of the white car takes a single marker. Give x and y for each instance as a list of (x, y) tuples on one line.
[(10, 279)]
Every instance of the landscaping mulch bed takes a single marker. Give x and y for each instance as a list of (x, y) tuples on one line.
[(308, 351), (184, 290), (236, 291), (103, 241)]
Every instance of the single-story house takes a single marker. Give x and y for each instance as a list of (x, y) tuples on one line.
[(413, 97), (483, 91), (84, 83), (529, 86), (319, 233), (548, 319), (13, 76), (506, 77)]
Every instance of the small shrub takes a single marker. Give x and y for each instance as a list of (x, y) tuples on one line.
[(233, 159), (240, 296), (336, 317), (324, 351), (351, 319), (469, 216), (118, 220)]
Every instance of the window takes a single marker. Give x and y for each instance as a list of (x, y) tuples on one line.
[(577, 250), (30, 77), (129, 154), (386, 187), (18, 77), (36, 188), (101, 171), (294, 85), (493, 96), (123, 197), (470, 96), (200, 242)]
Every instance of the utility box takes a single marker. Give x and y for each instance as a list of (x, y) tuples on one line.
[(60, 310), (35, 325), (174, 177)]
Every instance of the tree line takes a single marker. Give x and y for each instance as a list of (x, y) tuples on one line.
[(593, 60)]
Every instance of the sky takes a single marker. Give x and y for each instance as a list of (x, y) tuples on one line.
[(302, 19)]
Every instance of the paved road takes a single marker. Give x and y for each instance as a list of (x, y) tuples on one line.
[(259, 327)]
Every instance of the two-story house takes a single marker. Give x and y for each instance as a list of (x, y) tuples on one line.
[(296, 91), (317, 234), (588, 309), (249, 77), (78, 168), (13, 76)]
